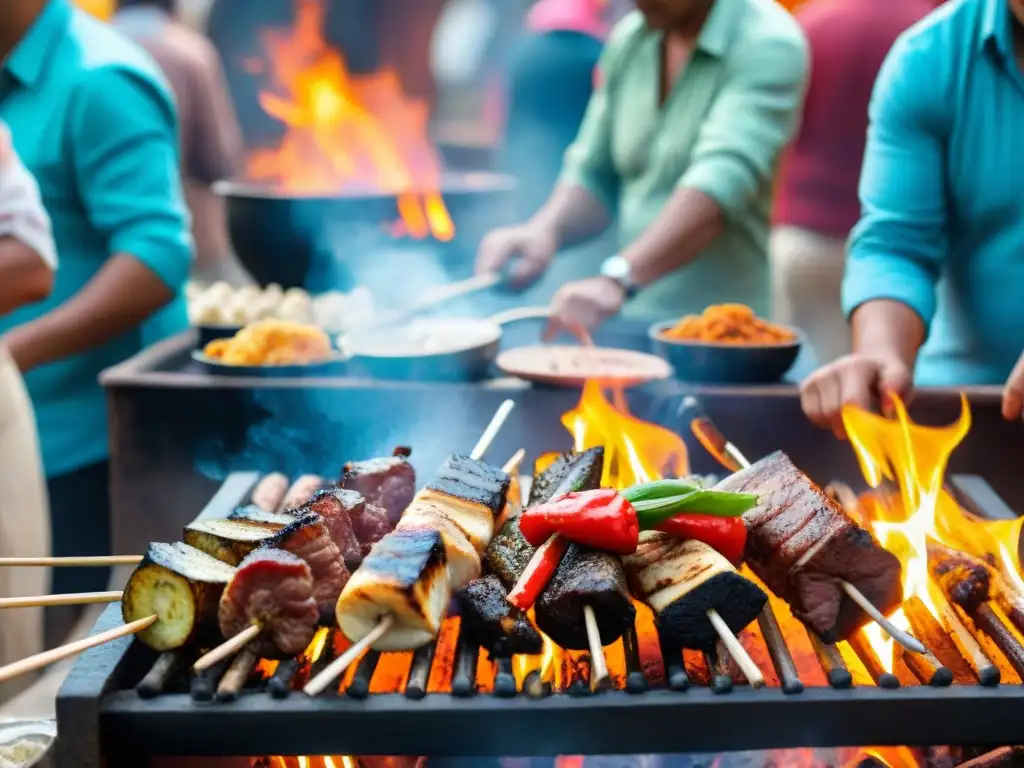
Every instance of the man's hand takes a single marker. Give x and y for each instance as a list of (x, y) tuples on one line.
[(583, 305), (1013, 392), (525, 252), (856, 379)]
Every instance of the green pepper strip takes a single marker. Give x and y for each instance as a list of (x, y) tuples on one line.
[(705, 501)]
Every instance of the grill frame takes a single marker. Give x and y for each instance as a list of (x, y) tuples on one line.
[(100, 715)]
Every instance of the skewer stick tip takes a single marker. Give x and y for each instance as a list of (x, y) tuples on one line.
[(337, 668), (905, 639), (492, 430), (599, 678), (228, 648), (746, 664)]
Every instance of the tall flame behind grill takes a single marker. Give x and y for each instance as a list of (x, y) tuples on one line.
[(345, 133)]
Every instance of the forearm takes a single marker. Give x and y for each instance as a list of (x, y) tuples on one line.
[(122, 295), (572, 215), (24, 277), (890, 328), (688, 224)]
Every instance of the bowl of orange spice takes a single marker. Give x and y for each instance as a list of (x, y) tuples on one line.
[(727, 344)]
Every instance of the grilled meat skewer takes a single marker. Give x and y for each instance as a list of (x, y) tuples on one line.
[(410, 573), (183, 587), (270, 491), (681, 580), (803, 546), (274, 589), (965, 580), (499, 626), (301, 490)]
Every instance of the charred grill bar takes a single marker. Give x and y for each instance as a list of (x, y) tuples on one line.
[(125, 703)]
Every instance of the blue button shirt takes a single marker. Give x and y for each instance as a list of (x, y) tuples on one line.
[(942, 192), (94, 121)]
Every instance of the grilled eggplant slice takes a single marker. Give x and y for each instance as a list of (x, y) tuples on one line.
[(227, 540), (255, 515), (182, 586), (493, 622)]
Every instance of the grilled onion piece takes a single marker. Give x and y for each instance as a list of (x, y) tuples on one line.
[(180, 585)]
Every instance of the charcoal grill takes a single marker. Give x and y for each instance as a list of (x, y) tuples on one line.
[(124, 704)]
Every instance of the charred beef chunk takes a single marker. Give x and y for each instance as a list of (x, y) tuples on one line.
[(967, 581), (473, 481), (371, 524), (493, 622), (309, 539), (335, 506), (274, 589), (803, 545), (388, 482), (585, 577)]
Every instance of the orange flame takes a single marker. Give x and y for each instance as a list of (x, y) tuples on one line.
[(634, 450), (345, 132), (915, 457)]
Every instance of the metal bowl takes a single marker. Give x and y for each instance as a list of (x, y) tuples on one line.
[(710, 363), (36, 734), (288, 239)]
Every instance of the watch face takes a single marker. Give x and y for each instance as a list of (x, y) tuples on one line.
[(616, 268)]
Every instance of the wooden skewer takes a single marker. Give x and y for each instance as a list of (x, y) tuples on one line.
[(40, 660), (746, 664), (708, 431), (515, 461), (987, 672), (599, 678), (229, 648), (337, 668), (80, 562), (44, 601)]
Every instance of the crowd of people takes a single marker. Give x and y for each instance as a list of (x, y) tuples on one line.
[(854, 169)]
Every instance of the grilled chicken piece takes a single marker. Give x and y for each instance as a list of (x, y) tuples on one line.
[(227, 540), (462, 557), (309, 539), (681, 580), (180, 585), (585, 577), (405, 576), (802, 545), (255, 515), (334, 505), (493, 622), (269, 492), (301, 491), (274, 589), (388, 482)]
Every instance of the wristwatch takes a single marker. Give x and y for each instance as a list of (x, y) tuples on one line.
[(618, 270)]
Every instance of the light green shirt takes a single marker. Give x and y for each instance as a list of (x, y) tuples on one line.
[(720, 131)]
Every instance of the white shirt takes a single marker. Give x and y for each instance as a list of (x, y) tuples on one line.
[(22, 215)]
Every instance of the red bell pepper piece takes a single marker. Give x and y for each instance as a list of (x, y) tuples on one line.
[(538, 572), (728, 535), (601, 519)]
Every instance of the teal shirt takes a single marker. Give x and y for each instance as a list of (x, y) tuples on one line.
[(93, 120), (942, 192), (720, 131)]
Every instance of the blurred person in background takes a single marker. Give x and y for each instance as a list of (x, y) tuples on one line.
[(210, 137), (816, 202), (28, 258), (550, 81), (934, 265), (694, 102), (94, 121)]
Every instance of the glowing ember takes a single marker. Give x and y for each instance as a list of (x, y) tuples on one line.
[(346, 133)]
